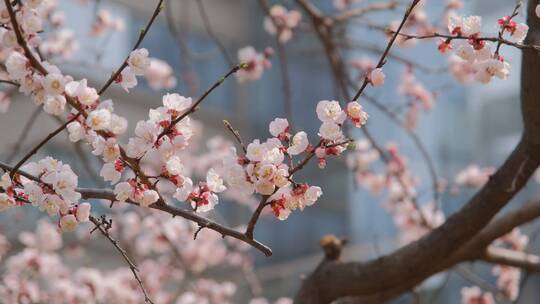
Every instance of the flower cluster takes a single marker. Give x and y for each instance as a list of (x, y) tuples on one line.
[(136, 192), (282, 22), (33, 17), (160, 244), (481, 61), (93, 121), (104, 22), (516, 31), (137, 65), (412, 219), (332, 117), (55, 194), (419, 97), (255, 62), (61, 43), (262, 170), (202, 197), (160, 75), (360, 161), (161, 139)]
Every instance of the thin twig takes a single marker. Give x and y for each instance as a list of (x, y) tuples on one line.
[(459, 37), (515, 12), (311, 154), (41, 144), (195, 105), (143, 33), (388, 47), (9, 82), (103, 226), (236, 135)]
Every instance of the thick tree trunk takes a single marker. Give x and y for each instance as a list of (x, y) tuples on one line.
[(393, 274)]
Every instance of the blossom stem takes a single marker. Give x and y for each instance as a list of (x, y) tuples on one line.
[(193, 107), (104, 227), (143, 33), (236, 135), (382, 60)]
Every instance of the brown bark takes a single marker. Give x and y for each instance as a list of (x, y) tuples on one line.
[(393, 274)]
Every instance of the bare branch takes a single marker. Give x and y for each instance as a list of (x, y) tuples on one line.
[(187, 214), (236, 135), (388, 47), (195, 105), (41, 144), (103, 226), (503, 256), (143, 33)]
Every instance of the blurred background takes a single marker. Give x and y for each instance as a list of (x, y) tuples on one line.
[(469, 124)]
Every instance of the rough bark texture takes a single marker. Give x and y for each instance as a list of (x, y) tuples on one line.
[(451, 243)]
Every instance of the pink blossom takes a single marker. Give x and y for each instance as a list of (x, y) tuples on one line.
[(138, 61), (281, 22), (279, 127), (160, 75), (255, 62), (68, 223), (376, 77), (299, 143)]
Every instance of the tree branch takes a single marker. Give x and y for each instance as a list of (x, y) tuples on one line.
[(388, 47), (103, 226), (503, 256), (187, 214), (143, 33), (107, 194)]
